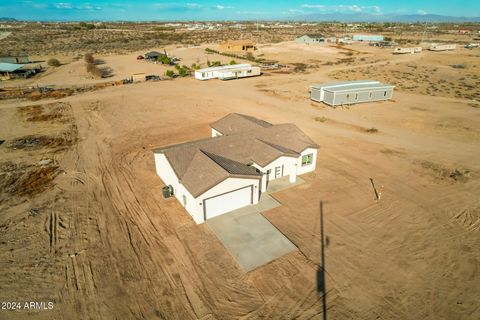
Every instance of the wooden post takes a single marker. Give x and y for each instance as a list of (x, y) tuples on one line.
[(374, 189)]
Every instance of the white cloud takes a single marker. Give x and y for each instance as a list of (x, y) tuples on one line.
[(222, 7), (342, 8), (63, 5), (422, 12)]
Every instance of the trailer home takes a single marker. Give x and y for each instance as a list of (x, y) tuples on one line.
[(350, 92), (231, 74), (399, 50), (442, 47), (227, 72)]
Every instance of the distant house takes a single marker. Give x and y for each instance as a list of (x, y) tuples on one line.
[(18, 59), (367, 37), (228, 72), (442, 47), (315, 39), (232, 169), (246, 46), (153, 55), (350, 92), (400, 50), (14, 70)]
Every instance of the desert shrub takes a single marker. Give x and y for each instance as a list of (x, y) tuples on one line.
[(300, 67), (194, 66), (163, 59), (53, 62), (94, 70), (371, 130), (214, 63), (89, 58), (233, 62), (170, 73), (183, 71)]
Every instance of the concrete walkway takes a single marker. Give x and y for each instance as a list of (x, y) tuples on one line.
[(248, 235)]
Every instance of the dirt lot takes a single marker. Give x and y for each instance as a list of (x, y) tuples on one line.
[(94, 235)]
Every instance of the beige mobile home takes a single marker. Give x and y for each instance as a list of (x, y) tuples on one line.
[(442, 47), (399, 50)]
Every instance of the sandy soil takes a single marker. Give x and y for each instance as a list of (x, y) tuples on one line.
[(102, 243)]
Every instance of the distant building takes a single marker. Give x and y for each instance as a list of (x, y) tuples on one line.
[(367, 37), (153, 55), (400, 50), (15, 70), (315, 39), (238, 46), (350, 92), (442, 47), (228, 72), (20, 59)]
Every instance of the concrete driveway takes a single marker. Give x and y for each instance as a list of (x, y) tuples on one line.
[(249, 236)]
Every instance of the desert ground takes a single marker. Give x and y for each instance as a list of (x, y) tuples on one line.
[(83, 223)]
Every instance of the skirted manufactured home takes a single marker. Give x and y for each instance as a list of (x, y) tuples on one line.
[(228, 72), (232, 169), (350, 92)]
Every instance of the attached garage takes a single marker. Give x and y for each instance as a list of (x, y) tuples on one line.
[(228, 201)]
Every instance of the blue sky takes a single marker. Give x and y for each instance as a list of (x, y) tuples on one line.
[(223, 10)]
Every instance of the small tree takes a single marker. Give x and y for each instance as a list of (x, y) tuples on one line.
[(53, 62)]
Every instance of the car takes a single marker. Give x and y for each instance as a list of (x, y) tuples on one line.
[(140, 57)]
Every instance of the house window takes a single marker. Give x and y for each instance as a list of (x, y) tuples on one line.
[(385, 93), (184, 198), (307, 159), (370, 95), (356, 96)]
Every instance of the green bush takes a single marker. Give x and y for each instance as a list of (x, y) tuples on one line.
[(233, 62), (170, 73), (163, 59), (53, 62)]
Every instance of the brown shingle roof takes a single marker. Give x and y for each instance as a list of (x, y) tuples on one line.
[(202, 164), (236, 122)]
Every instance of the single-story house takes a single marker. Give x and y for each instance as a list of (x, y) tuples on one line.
[(350, 92), (153, 55), (232, 169), (238, 46), (315, 39)]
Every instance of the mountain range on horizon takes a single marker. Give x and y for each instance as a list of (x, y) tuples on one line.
[(401, 18), (352, 17)]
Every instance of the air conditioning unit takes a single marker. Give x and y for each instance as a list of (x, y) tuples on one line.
[(167, 191)]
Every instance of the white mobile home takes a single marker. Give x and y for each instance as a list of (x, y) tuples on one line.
[(351, 92), (442, 47), (239, 73), (230, 170), (399, 50), (213, 72)]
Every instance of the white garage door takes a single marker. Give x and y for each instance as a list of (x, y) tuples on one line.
[(215, 206)]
